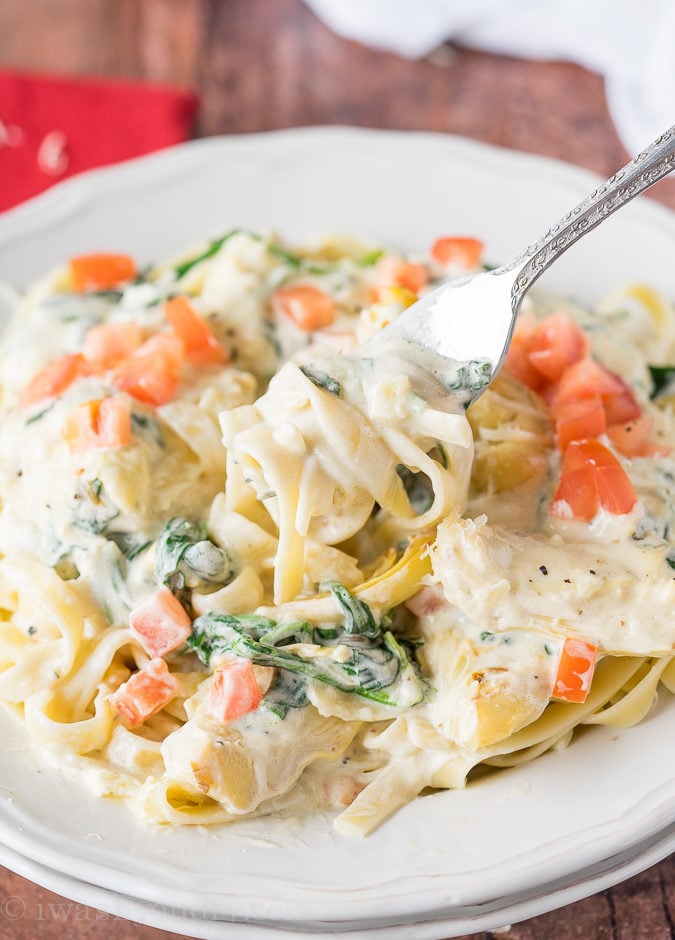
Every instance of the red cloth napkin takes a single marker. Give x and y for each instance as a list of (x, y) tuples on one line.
[(52, 127)]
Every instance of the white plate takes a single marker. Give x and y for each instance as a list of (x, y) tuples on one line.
[(508, 847), (457, 922)]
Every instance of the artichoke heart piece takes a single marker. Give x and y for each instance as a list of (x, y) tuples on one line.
[(386, 589), (506, 402), (487, 685), (244, 763), (513, 431), (494, 704)]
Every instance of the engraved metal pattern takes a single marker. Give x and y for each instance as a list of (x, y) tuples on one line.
[(655, 162)]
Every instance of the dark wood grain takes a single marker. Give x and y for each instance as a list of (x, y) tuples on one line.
[(260, 65)]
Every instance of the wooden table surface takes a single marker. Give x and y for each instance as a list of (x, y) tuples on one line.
[(264, 64)]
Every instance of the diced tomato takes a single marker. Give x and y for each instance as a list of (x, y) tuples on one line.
[(393, 272), (578, 419), (54, 378), (587, 453), (585, 399), (576, 496), (591, 478), (556, 343), (160, 623), (234, 690), (615, 490), (152, 372), (517, 362), (586, 378), (106, 345), (575, 671), (541, 352), (114, 421), (631, 438), (79, 428), (104, 422), (305, 305), (101, 271), (463, 253), (574, 402), (166, 346), (201, 346), (652, 449), (145, 692), (623, 406)]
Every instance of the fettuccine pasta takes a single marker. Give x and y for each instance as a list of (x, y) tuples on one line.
[(246, 570)]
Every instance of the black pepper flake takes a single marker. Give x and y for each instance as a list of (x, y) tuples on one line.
[(543, 569), (568, 580), (591, 571)]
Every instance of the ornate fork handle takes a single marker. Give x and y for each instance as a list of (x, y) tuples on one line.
[(649, 166)]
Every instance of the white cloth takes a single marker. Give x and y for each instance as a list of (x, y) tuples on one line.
[(630, 42)]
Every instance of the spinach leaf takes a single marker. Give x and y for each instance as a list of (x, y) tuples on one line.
[(128, 544), (107, 293), (359, 618), (209, 636), (371, 258), (93, 510), (220, 633), (488, 637), (374, 668), (418, 488), (213, 248), (296, 631), (40, 414), (322, 380), (289, 690), (137, 550), (376, 665), (295, 261), (662, 377), (471, 377), (185, 558), (147, 428), (308, 265), (443, 458)]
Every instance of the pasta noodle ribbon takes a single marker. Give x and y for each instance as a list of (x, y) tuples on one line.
[(246, 568)]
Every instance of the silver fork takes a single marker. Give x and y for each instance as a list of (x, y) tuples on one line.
[(460, 332)]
